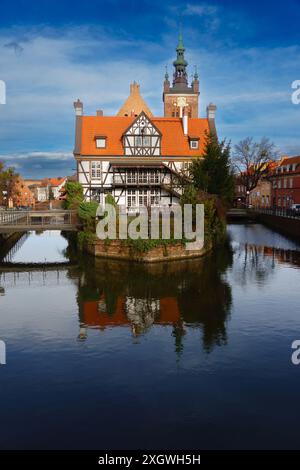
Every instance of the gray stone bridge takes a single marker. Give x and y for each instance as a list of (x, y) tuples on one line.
[(24, 221)]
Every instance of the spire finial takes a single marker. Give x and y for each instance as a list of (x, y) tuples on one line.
[(180, 39), (166, 73), (196, 76)]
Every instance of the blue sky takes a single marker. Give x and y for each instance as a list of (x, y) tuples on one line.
[(51, 53)]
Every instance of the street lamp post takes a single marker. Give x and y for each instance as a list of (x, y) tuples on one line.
[(4, 195), (247, 199)]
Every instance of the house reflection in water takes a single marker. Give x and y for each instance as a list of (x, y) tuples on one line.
[(138, 314), (182, 296)]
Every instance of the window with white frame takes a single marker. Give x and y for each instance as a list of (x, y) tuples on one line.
[(146, 141), (154, 197), (142, 141), (96, 170), (153, 176), (194, 144), (131, 177), (143, 176), (100, 142), (131, 198), (138, 141), (143, 198)]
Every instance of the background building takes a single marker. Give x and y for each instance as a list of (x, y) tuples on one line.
[(286, 182), (180, 95), (261, 196), (22, 196), (50, 188)]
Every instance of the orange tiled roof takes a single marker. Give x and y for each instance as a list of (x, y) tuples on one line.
[(289, 160), (174, 142), (286, 161), (52, 181)]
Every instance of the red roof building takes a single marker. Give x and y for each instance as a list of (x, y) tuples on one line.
[(285, 180)]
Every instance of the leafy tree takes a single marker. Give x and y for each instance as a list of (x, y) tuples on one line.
[(189, 196), (213, 172), (214, 213), (252, 160), (74, 195), (51, 194), (8, 179)]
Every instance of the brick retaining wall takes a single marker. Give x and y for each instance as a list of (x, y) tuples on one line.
[(286, 225), (115, 249)]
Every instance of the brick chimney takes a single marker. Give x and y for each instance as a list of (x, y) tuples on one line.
[(78, 106), (211, 115), (211, 111), (99, 112), (185, 121)]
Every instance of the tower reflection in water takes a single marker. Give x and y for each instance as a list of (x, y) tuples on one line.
[(182, 295)]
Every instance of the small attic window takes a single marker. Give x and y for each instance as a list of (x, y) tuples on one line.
[(194, 144), (100, 142)]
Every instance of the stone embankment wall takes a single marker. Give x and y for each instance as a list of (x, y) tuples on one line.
[(286, 225), (115, 249)]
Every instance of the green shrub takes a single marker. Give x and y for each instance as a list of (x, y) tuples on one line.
[(74, 195), (83, 238), (87, 210), (143, 246)]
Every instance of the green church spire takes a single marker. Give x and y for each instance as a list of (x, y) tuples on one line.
[(180, 64), (180, 60)]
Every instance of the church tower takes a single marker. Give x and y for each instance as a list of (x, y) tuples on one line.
[(180, 95)]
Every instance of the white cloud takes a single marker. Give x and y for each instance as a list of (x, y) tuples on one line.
[(202, 9), (49, 156), (251, 87)]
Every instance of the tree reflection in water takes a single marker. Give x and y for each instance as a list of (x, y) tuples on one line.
[(257, 263), (182, 295)]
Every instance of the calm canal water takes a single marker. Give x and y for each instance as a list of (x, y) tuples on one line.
[(184, 355)]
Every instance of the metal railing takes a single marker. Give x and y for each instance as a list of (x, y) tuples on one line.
[(28, 219), (7, 217), (278, 211)]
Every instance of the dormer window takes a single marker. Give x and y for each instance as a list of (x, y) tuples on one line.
[(194, 144), (100, 142)]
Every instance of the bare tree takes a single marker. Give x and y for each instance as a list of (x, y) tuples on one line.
[(252, 160)]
